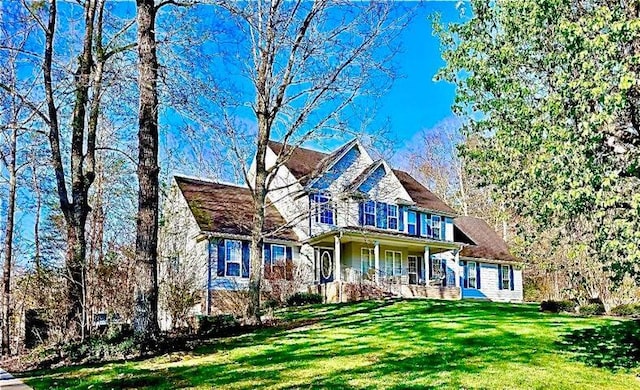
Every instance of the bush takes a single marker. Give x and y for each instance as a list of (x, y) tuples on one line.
[(558, 306), (300, 298), (628, 310), (591, 309), (217, 325)]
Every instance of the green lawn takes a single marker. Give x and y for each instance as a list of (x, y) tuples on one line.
[(397, 344)]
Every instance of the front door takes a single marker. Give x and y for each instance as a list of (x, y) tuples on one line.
[(325, 264)]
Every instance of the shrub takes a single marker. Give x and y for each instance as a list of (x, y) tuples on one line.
[(300, 298), (216, 325), (591, 309), (557, 306), (629, 310)]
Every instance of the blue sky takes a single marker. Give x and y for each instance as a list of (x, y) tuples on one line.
[(416, 102)]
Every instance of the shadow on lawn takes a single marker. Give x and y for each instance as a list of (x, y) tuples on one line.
[(615, 346), (375, 340)]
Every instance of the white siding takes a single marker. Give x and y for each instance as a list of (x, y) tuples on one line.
[(177, 239), (489, 285)]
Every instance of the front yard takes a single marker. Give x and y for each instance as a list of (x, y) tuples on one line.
[(394, 344)]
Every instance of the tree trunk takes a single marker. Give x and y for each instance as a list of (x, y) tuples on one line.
[(8, 246), (146, 295)]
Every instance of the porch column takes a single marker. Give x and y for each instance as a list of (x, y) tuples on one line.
[(425, 261), (456, 268), (337, 275), (376, 257)]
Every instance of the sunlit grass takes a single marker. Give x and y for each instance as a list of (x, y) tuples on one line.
[(395, 344)]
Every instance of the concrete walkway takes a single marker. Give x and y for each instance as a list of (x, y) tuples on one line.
[(8, 382)]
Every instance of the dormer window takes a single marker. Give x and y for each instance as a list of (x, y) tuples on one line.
[(392, 217), (435, 226), (323, 209)]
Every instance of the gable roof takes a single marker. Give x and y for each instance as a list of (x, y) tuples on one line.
[(420, 194), (227, 209), (302, 163), (488, 244), (357, 182)]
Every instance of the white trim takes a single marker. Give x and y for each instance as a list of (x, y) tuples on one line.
[(492, 261)]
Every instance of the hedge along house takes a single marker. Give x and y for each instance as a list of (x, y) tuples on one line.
[(350, 225)]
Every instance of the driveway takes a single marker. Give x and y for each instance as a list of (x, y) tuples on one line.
[(8, 382)]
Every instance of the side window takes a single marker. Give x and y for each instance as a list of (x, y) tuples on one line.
[(233, 252)]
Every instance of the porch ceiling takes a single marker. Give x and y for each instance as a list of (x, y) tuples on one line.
[(367, 237)]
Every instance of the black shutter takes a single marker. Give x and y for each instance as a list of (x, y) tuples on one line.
[(478, 276), (289, 263), (418, 223), (465, 276), (444, 272), (361, 214), (221, 257), (245, 259), (430, 270), (511, 277), (499, 277), (266, 252)]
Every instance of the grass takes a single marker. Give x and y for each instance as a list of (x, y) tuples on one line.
[(396, 344)]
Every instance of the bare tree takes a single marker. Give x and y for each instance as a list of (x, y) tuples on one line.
[(308, 64), (79, 96), (14, 126)]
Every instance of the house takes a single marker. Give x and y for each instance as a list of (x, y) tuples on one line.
[(343, 220)]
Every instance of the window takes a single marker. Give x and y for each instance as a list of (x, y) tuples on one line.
[(367, 262), (382, 215), (392, 217), (425, 226), (413, 269), (393, 263), (506, 275), (323, 209), (437, 272), (233, 251), (278, 254), (412, 222), (435, 226), (471, 274), (370, 213)]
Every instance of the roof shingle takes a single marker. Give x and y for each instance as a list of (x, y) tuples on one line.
[(228, 209), (488, 245), (420, 194)]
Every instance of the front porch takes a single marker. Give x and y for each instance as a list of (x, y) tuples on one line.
[(354, 265)]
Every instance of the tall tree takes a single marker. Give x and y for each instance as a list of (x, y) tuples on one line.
[(306, 66), (146, 321), (78, 95), (550, 89)]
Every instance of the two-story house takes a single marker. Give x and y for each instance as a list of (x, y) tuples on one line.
[(346, 219)]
